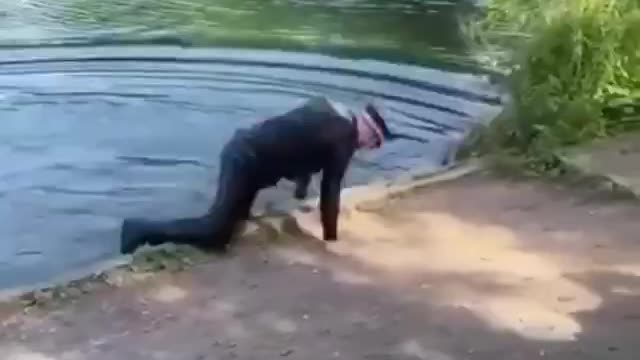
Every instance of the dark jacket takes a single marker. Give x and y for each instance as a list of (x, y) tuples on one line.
[(306, 140)]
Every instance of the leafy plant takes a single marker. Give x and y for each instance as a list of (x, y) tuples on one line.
[(573, 70)]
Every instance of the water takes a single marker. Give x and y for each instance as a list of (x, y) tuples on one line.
[(91, 134)]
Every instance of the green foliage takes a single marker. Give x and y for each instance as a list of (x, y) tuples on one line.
[(573, 66)]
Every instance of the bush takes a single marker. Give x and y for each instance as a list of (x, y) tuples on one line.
[(573, 70)]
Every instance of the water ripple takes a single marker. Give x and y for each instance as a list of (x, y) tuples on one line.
[(91, 135)]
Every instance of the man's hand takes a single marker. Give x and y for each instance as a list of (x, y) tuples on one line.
[(309, 223)]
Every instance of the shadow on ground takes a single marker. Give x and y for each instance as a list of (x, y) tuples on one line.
[(474, 269)]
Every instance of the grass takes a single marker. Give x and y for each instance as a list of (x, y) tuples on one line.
[(573, 71)]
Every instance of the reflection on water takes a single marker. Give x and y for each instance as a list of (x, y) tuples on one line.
[(418, 30), (92, 134)]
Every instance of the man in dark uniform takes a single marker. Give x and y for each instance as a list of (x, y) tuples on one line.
[(320, 135)]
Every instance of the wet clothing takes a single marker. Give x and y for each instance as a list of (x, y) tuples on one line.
[(317, 136)]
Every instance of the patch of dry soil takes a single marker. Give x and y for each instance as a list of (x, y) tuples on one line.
[(477, 268)]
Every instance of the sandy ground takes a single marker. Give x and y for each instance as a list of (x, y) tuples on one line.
[(478, 268)]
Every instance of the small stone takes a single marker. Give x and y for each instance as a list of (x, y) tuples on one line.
[(43, 296), (372, 205), (612, 348), (251, 228), (102, 346), (86, 287), (96, 343), (115, 279), (277, 224), (74, 292), (286, 353), (305, 316), (28, 302), (565, 298), (542, 353), (187, 260)]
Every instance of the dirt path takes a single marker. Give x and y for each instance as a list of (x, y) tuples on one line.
[(477, 268)]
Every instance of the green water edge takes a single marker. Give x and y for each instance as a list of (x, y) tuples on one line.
[(149, 262), (141, 266), (415, 32)]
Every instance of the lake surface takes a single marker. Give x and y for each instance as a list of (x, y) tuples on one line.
[(93, 131)]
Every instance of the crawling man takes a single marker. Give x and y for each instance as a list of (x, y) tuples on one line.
[(320, 135)]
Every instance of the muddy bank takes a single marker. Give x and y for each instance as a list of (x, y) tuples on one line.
[(475, 268), (284, 221)]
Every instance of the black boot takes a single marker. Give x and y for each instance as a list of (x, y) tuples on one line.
[(191, 231)]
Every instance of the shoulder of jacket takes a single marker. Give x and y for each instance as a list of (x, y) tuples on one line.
[(341, 109)]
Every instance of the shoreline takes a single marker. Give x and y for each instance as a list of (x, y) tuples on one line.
[(471, 267), (125, 268), (148, 260)]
